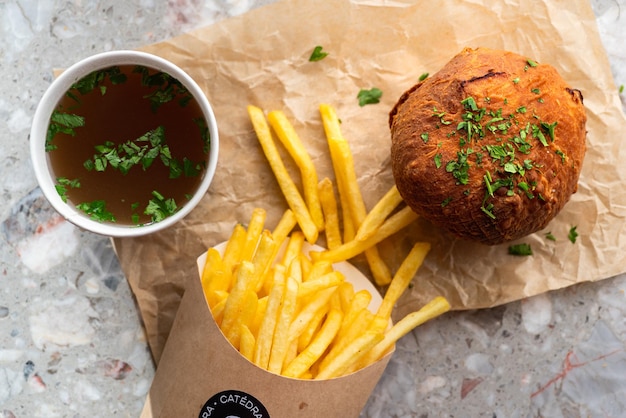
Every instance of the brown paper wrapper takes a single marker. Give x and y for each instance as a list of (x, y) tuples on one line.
[(198, 363), (261, 58)]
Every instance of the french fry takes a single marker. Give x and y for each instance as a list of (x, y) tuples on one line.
[(254, 231), (436, 307), (246, 342), (318, 269), (288, 187), (263, 347), (317, 347), (344, 162), (376, 217), (291, 141), (331, 214), (284, 227), (241, 303), (310, 287), (348, 250), (234, 247), (360, 302), (403, 277), (280, 341), (308, 312), (306, 336), (215, 276), (218, 312), (351, 354), (295, 268), (255, 324), (294, 247), (263, 258), (358, 326), (346, 295)]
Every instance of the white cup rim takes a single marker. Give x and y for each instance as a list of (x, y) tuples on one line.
[(41, 121)]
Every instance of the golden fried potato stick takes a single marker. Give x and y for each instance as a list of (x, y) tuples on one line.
[(241, 303), (246, 342), (346, 295), (218, 312), (288, 187), (379, 213), (358, 326), (263, 258), (343, 161), (254, 231), (331, 214), (294, 247), (281, 341), (360, 302), (310, 287), (348, 250), (307, 313), (263, 347), (403, 277), (291, 141), (349, 355), (234, 247), (317, 347), (318, 269), (306, 336), (295, 268), (255, 324), (284, 227), (432, 309), (215, 276)]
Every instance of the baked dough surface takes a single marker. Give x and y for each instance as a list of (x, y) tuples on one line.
[(489, 148)]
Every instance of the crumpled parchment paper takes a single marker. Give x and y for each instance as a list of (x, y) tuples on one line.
[(261, 58)]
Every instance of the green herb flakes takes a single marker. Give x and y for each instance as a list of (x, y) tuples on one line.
[(550, 236), (572, 235), (520, 249), (318, 54), (371, 96), (63, 184), (423, 77), (96, 210), (159, 207), (438, 160)]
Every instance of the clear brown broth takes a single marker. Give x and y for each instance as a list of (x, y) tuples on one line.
[(123, 114)]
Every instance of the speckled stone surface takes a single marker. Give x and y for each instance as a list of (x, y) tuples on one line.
[(71, 339)]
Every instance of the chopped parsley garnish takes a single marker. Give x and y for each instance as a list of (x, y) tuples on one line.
[(423, 77), (550, 236), (532, 63), (159, 207), (508, 149), (62, 185), (438, 160), (318, 54), (572, 235), (64, 123), (621, 89), (520, 249), (96, 210), (141, 151), (370, 96)]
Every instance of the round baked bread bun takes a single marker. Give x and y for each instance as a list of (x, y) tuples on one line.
[(490, 148)]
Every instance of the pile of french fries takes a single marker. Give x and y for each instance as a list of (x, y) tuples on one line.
[(281, 302)]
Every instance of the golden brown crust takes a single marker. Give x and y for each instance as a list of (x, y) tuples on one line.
[(490, 147)]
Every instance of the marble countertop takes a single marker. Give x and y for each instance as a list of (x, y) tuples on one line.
[(71, 339)]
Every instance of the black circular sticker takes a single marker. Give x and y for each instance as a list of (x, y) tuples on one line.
[(233, 404)]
